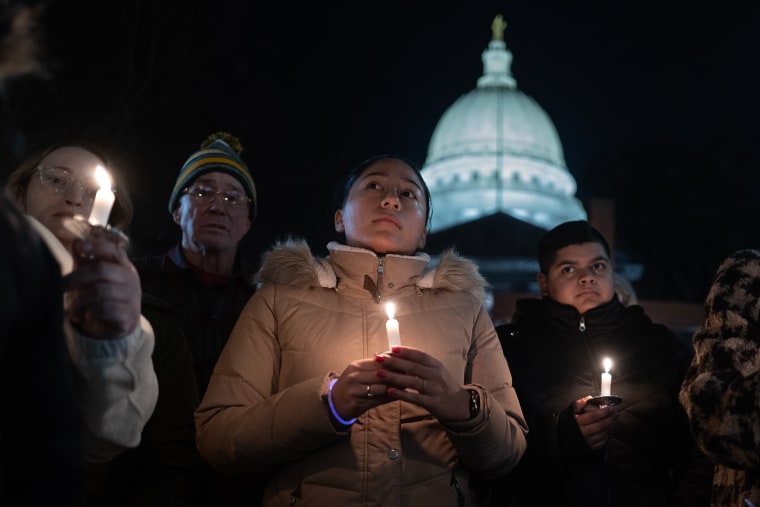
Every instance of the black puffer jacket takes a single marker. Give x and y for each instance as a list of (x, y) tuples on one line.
[(556, 357)]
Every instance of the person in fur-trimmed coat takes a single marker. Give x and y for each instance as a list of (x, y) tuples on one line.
[(308, 389), (721, 390)]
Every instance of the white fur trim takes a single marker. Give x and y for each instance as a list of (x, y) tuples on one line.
[(325, 274)]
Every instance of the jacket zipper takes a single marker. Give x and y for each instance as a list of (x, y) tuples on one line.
[(379, 279), (295, 495), (582, 325), (460, 496)]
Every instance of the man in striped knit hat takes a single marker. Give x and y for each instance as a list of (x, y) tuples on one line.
[(204, 278)]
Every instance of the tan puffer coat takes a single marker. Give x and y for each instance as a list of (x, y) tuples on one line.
[(265, 407)]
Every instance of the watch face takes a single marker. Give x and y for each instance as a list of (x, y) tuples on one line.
[(474, 403)]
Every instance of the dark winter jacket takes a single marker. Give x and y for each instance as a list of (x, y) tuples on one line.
[(207, 312), (556, 357), (165, 468), (40, 423)]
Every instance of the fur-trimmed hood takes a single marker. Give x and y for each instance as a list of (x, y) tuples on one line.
[(292, 263)]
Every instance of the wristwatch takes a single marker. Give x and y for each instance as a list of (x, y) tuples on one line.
[(474, 403)]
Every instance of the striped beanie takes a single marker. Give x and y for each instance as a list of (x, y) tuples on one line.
[(220, 152)]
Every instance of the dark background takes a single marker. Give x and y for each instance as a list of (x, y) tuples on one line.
[(656, 106)]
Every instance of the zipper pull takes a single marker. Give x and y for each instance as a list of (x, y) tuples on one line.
[(582, 325)]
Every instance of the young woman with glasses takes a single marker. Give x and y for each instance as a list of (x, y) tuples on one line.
[(51, 185), (58, 181), (109, 342)]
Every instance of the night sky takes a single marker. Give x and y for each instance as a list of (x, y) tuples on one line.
[(657, 107)]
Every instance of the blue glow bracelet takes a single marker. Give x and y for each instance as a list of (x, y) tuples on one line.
[(335, 414)]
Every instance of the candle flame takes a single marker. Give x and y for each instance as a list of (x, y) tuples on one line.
[(607, 364), (103, 178), (390, 309)]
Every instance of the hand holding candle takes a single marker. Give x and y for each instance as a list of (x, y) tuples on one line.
[(394, 338), (104, 199), (606, 377)]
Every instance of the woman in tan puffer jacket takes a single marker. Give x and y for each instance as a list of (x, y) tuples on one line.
[(308, 391)]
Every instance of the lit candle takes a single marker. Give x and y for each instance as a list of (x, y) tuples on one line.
[(104, 199), (394, 338), (606, 377)]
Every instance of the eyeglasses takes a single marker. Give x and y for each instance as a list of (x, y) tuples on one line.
[(59, 180), (206, 195)]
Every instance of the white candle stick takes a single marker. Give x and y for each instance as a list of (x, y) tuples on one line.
[(606, 377), (391, 327), (104, 198)]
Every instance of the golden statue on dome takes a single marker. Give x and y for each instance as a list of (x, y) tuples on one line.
[(497, 27)]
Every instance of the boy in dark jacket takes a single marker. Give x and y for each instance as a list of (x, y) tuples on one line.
[(633, 448)]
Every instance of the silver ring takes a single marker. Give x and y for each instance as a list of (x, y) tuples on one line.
[(369, 393)]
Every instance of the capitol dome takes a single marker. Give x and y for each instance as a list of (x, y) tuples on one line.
[(495, 150)]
